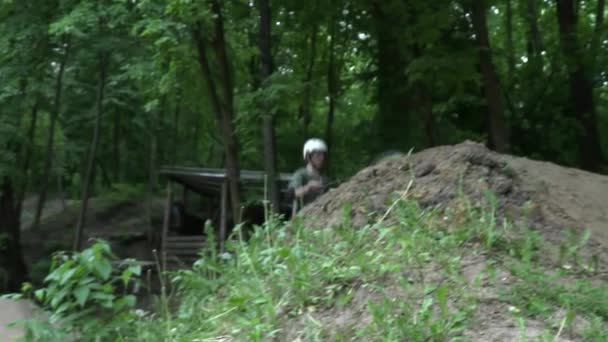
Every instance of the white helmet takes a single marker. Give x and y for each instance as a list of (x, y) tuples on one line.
[(314, 145)]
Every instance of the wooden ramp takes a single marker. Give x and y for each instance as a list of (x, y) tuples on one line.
[(182, 251)]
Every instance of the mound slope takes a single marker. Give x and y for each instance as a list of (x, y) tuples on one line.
[(552, 199)]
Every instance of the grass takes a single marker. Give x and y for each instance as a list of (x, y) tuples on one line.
[(402, 279)]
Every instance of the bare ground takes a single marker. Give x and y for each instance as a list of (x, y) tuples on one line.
[(124, 223)]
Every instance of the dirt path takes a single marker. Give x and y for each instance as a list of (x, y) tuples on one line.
[(11, 311)]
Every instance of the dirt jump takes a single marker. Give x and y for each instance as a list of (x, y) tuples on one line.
[(557, 198), (555, 201)]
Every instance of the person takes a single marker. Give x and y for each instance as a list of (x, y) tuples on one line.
[(307, 183)]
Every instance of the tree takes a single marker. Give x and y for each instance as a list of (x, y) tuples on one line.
[(65, 49), (86, 187), (305, 114), (266, 70), (332, 83), (221, 96), (581, 103), (498, 129), (11, 254), (391, 60), (534, 43), (510, 44)]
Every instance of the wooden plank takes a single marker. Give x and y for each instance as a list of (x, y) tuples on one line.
[(177, 262), (191, 258), (192, 247), (173, 238), (185, 245), (166, 225), (184, 252), (185, 256), (220, 174)]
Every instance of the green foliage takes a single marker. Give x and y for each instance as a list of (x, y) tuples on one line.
[(86, 296), (155, 86), (156, 94), (286, 271)]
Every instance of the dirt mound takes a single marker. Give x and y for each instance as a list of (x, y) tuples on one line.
[(552, 199)]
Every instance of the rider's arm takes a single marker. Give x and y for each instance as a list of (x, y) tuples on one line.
[(296, 187), (302, 190)]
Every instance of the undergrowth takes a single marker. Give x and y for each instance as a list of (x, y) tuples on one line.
[(399, 280)]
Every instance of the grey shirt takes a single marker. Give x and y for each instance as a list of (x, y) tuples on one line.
[(300, 178)]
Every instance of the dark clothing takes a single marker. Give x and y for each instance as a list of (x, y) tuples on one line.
[(300, 178)]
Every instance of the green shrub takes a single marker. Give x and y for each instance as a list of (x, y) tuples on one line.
[(85, 296)]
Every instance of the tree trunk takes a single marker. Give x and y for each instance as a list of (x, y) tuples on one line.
[(155, 150), (222, 107), (27, 153), (305, 108), (106, 181), (332, 88), (116, 148), (160, 129), (392, 95), (152, 178), (51, 137), (426, 105), (231, 143), (581, 88), (509, 44), (535, 43), (194, 131), (266, 70), (11, 254), (103, 65), (599, 16), (498, 130), (596, 41), (176, 126)]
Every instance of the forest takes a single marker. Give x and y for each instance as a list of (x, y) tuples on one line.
[(99, 94)]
